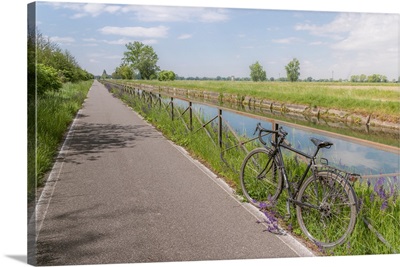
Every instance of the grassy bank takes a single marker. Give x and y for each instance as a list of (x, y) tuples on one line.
[(380, 202), (54, 112), (381, 100)]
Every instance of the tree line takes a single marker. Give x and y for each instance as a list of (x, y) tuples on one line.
[(140, 62), (50, 66)]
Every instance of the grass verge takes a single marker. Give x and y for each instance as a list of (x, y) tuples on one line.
[(48, 120)]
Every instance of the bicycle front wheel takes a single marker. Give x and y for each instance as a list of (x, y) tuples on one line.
[(260, 177), (328, 209)]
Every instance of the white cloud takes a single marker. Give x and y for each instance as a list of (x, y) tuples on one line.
[(90, 45), (149, 41), (288, 40), (152, 32), (124, 41), (121, 41), (89, 9), (147, 13), (369, 32), (62, 40), (316, 43), (210, 16), (158, 13), (89, 40), (360, 43), (185, 36), (353, 31), (171, 14)]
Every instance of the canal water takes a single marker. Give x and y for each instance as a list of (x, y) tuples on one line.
[(347, 155)]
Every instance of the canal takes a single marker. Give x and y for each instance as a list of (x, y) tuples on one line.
[(349, 153)]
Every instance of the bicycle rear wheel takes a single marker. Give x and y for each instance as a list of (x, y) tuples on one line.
[(335, 209), (260, 177)]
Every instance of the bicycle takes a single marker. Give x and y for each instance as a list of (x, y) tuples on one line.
[(326, 204)]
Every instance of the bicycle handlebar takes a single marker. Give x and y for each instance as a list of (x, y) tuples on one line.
[(280, 132)]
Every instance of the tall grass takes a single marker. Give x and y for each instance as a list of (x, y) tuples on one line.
[(380, 201), (48, 120)]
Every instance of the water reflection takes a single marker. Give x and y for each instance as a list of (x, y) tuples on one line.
[(344, 154)]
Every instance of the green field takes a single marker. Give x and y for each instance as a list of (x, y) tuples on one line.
[(381, 100)]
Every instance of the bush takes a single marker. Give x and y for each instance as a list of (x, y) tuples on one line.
[(166, 75), (47, 79)]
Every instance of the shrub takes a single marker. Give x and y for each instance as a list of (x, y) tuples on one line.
[(47, 79), (166, 75)]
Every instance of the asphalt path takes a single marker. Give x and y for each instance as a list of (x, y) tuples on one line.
[(120, 192)]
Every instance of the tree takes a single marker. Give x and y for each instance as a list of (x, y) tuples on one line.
[(363, 78), (354, 78), (293, 70), (123, 72), (104, 75), (166, 75), (143, 59), (257, 73), (50, 55), (377, 78)]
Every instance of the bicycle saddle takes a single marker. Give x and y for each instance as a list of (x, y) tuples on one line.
[(320, 143)]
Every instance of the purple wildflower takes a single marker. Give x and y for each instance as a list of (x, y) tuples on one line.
[(382, 193), (272, 222), (384, 205), (263, 205), (320, 247), (372, 197), (379, 190), (379, 184), (361, 202)]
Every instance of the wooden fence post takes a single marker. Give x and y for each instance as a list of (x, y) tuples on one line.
[(172, 108), (220, 128), (190, 116)]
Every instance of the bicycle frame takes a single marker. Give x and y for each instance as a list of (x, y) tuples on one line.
[(278, 152)]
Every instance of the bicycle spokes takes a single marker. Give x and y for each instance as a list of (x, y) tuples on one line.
[(328, 213), (260, 178)]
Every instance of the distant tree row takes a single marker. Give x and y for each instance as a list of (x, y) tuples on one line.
[(140, 62), (50, 66), (374, 78)]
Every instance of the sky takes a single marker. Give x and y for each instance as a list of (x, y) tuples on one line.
[(210, 42)]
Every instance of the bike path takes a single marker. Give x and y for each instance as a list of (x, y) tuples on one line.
[(122, 193)]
